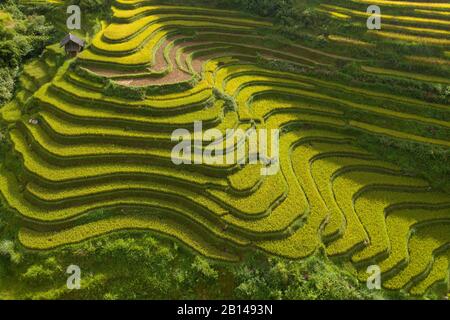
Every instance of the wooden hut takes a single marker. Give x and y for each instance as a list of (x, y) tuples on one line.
[(72, 44)]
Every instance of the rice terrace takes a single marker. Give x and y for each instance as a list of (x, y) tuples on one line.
[(358, 208)]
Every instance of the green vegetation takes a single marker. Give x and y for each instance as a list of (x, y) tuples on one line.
[(23, 34), (142, 267), (86, 170)]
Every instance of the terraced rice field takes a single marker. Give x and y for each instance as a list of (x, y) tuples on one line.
[(91, 150)]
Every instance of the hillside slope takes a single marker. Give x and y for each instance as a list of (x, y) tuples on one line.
[(102, 138)]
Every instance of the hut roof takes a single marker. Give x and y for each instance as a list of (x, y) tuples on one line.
[(73, 38)]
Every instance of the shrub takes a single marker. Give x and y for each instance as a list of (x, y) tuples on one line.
[(7, 249), (37, 275), (203, 267), (114, 89), (6, 84)]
